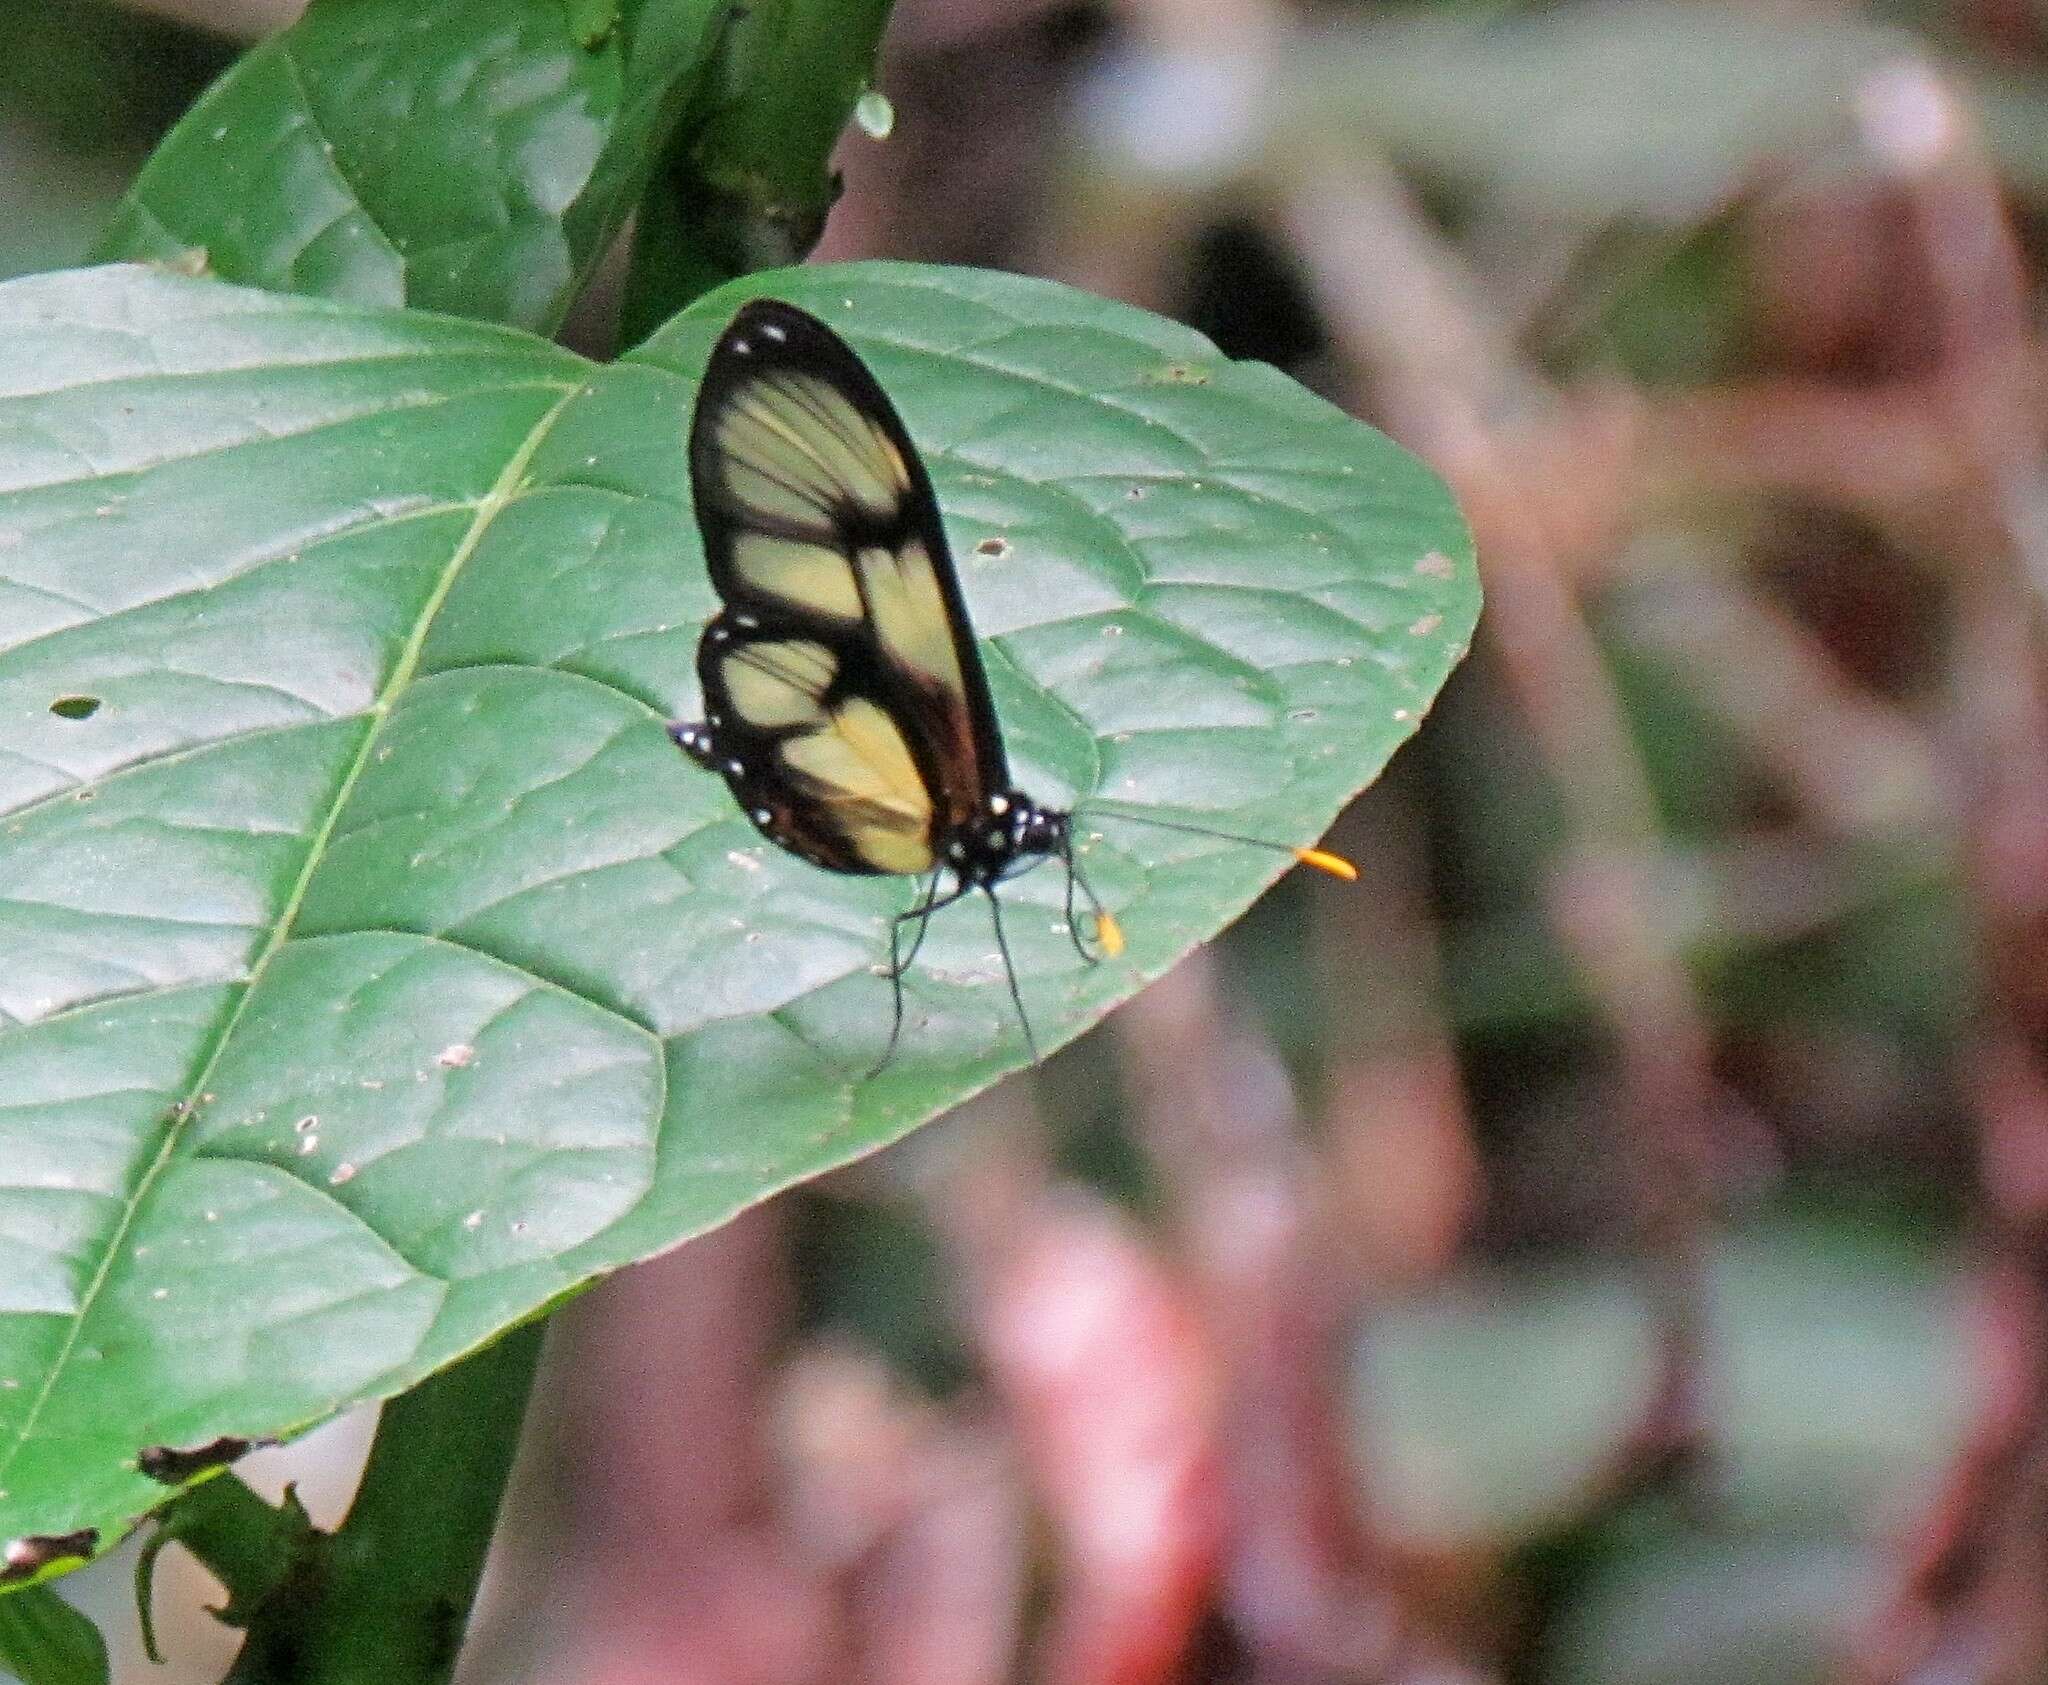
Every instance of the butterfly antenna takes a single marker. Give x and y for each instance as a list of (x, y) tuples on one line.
[(995, 908), (1322, 859), (1108, 933)]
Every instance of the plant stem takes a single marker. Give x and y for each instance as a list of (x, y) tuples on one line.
[(747, 179), (252, 1547), (385, 1599)]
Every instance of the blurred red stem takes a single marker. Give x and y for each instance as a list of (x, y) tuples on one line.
[(1305, 1588), (1408, 325), (1970, 1607)]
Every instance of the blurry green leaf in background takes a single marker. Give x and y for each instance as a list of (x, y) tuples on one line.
[(44, 1641)]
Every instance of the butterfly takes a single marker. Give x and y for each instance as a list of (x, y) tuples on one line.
[(845, 702)]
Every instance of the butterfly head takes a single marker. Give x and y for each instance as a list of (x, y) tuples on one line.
[(1011, 832)]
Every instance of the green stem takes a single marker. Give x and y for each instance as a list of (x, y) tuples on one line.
[(747, 180), (385, 1599), (252, 1547)]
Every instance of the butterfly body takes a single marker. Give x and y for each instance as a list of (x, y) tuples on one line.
[(845, 702)]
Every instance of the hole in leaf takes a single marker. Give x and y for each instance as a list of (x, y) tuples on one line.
[(75, 707)]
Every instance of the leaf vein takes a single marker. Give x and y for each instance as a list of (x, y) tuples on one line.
[(401, 675)]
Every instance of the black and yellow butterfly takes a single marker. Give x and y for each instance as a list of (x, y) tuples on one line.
[(845, 701)]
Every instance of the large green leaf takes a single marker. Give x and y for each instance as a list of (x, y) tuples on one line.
[(474, 156), (378, 970)]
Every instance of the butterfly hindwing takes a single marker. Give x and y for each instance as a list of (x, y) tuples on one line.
[(820, 526), (818, 764)]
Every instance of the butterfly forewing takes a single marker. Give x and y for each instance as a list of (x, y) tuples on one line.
[(819, 523)]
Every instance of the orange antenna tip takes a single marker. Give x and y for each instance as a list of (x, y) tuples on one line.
[(1110, 934), (1323, 861)]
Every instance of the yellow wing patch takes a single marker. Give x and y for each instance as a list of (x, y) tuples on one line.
[(861, 767), (772, 685), (812, 576), (796, 450), (908, 611)]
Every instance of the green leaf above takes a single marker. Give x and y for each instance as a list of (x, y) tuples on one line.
[(378, 971), (473, 156)]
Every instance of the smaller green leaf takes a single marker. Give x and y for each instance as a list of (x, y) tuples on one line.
[(1489, 1403), (44, 1641), (471, 156)]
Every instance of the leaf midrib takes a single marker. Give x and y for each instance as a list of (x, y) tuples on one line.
[(503, 490)]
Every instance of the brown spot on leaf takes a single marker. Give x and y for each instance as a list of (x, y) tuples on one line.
[(26, 1557), (174, 1467), (996, 547)]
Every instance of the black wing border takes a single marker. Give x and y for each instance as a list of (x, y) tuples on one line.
[(806, 344)]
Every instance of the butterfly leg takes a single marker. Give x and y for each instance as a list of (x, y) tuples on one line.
[(995, 908), (900, 962)]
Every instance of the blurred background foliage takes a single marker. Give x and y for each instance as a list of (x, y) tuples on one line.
[(1609, 1246)]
